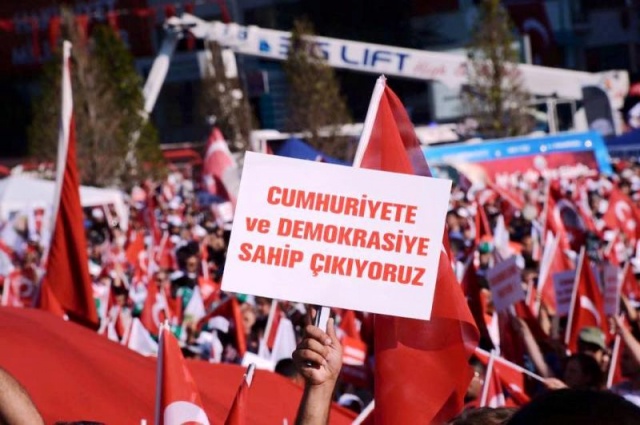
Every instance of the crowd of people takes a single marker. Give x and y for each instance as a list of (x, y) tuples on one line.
[(167, 264)]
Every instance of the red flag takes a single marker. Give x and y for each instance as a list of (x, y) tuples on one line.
[(630, 287), (50, 303), (471, 289), (354, 351), (155, 309), (422, 370), (238, 413), (510, 375), (67, 268), (524, 312), (622, 214), (492, 392), (177, 397), (554, 223), (511, 343), (230, 310), (348, 324), (483, 228), (220, 169), (587, 304), (559, 262), (134, 247), (54, 31)]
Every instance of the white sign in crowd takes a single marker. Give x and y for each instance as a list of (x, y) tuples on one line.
[(563, 285), (337, 236), (505, 282)]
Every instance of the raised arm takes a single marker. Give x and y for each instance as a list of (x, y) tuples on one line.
[(16, 407), (319, 359), (532, 348), (633, 345)]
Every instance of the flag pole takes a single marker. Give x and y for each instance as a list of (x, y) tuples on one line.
[(614, 361), (159, 361), (370, 119), (545, 267), (323, 313), (513, 365), (364, 414), (488, 375), (248, 377), (270, 318), (574, 294)]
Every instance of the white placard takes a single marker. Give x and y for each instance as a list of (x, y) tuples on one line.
[(563, 285), (337, 236), (505, 281), (611, 290)]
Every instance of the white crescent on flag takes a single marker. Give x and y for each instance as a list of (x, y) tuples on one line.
[(182, 412), (588, 305)]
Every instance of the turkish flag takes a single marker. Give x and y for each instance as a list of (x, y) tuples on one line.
[(510, 375), (622, 214), (587, 304), (135, 246), (67, 265), (177, 397), (421, 367), (220, 171), (630, 287), (238, 413), (492, 392), (230, 310), (155, 310)]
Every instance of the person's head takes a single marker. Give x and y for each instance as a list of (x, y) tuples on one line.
[(288, 369), (191, 264), (161, 278), (591, 341), (571, 406), (188, 258), (484, 416), (263, 306), (120, 295), (453, 221), (485, 250), (582, 372), (527, 245), (248, 316)]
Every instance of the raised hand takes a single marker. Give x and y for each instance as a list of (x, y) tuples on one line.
[(318, 357)]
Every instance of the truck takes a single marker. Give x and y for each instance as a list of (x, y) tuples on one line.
[(594, 98)]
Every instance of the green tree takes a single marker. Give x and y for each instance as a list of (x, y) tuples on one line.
[(495, 96), (107, 99), (316, 105)]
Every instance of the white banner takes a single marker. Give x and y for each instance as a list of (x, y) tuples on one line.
[(337, 236)]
